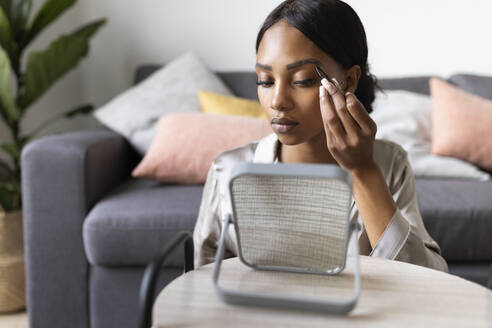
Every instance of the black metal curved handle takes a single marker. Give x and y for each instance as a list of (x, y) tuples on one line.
[(151, 273)]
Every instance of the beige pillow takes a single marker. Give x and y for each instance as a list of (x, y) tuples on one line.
[(186, 144), (461, 124)]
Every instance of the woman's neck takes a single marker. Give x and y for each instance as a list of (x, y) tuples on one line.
[(312, 151)]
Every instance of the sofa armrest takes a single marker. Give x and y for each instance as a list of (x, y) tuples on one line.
[(63, 176)]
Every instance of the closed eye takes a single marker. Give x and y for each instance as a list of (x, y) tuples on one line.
[(308, 82), (264, 83)]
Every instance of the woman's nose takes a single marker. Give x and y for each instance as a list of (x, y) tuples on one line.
[(280, 99)]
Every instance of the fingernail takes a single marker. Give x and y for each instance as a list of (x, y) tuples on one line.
[(329, 86), (335, 81), (321, 91)]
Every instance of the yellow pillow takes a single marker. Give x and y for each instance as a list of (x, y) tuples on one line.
[(214, 103)]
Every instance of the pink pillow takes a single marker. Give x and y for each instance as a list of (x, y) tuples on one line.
[(186, 144), (461, 124)]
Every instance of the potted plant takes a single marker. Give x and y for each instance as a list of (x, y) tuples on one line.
[(20, 87)]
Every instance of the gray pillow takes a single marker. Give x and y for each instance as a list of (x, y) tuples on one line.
[(172, 89)]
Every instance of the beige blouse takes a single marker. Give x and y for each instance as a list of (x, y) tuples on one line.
[(405, 238)]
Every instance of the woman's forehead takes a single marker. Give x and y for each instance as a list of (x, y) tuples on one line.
[(282, 36), (285, 44)]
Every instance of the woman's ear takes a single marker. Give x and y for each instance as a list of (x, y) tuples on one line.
[(352, 76)]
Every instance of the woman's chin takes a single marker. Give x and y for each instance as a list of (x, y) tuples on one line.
[(292, 139), (289, 139)]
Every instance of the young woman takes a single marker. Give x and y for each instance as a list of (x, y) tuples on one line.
[(322, 121)]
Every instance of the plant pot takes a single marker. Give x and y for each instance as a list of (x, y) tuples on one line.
[(12, 276)]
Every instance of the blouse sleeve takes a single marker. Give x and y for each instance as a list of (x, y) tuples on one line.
[(208, 226), (405, 238)]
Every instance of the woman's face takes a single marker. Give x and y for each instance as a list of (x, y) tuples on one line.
[(289, 85)]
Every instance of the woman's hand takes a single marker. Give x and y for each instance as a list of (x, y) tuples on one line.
[(350, 131), (350, 134)]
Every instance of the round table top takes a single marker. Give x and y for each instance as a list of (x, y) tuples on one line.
[(393, 294)]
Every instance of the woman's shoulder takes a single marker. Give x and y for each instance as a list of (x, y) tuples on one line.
[(244, 153)]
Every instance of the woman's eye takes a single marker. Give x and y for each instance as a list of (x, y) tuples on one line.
[(304, 83), (307, 82), (266, 84)]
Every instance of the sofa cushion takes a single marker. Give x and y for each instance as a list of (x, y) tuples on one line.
[(404, 117), (241, 83), (458, 215), (418, 84), (132, 224), (461, 124), (172, 89), (186, 144), (477, 84), (215, 103)]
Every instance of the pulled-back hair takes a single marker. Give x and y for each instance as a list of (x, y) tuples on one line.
[(336, 29)]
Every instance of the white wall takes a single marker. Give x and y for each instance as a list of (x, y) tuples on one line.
[(416, 37), (427, 37), (439, 37)]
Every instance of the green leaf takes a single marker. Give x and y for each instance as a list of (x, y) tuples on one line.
[(49, 12), (5, 32), (3, 114), (10, 195), (88, 31), (12, 150), (6, 167), (46, 67), (80, 110), (19, 14), (6, 96), (6, 4), (23, 140)]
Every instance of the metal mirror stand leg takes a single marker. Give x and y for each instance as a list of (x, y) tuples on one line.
[(151, 273)]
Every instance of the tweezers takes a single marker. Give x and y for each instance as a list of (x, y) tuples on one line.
[(322, 75)]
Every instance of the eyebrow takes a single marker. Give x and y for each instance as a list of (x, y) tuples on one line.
[(293, 65)]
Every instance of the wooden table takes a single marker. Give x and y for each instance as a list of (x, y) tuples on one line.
[(393, 294)]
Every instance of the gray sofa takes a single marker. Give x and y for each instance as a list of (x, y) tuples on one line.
[(90, 228)]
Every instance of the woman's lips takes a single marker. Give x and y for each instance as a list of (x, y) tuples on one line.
[(283, 125)]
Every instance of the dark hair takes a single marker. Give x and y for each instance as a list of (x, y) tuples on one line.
[(336, 29)]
